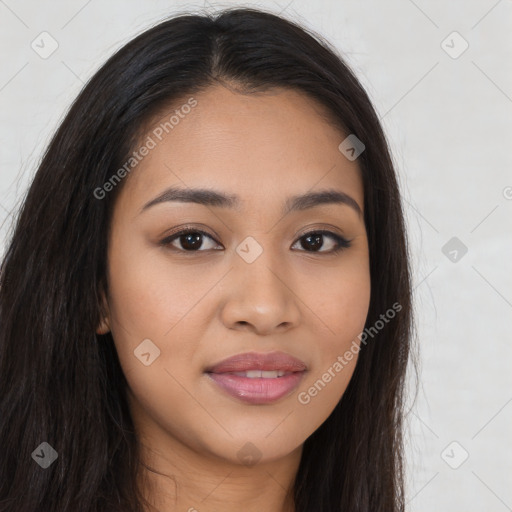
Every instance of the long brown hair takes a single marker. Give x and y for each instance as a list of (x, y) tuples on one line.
[(61, 383)]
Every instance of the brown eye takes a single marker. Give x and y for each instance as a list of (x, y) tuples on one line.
[(190, 240), (314, 240)]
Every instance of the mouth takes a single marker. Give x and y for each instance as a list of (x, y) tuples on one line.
[(257, 378), (262, 374)]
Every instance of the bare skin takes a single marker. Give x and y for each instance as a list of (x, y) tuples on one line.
[(201, 306)]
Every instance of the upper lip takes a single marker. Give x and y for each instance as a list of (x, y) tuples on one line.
[(253, 361)]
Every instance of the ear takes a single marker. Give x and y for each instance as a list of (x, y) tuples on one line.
[(104, 325)]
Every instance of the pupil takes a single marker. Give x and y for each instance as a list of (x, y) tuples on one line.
[(193, 241), (317, 241)]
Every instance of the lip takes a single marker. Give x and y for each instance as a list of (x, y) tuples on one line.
[(258, 391), (254, 361)]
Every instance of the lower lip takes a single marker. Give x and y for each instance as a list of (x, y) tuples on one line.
[(259, 390)]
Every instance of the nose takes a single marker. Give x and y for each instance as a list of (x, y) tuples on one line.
[(260, 297)]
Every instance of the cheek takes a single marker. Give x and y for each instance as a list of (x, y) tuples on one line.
[(342, 305), (152, 300), (340, 299), (149, 296), (152, 312)]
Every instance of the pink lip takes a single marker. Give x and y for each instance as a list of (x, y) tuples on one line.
[(255, 361), (258, 390)]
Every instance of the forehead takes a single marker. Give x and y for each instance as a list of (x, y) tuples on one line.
[(261, 147)]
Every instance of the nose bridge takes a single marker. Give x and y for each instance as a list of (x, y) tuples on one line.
[(259, 265), (260, 295)]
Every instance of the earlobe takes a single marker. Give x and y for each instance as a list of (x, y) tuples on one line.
[(104, 326)]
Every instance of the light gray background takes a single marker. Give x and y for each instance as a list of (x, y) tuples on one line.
[(449, 124)]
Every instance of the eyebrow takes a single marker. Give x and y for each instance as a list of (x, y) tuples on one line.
[(210, 197)]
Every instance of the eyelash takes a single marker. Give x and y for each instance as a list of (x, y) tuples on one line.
[(342, 243)]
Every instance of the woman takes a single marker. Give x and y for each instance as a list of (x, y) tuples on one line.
[(205, 303)]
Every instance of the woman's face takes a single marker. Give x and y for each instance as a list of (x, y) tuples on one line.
[(260, 279)]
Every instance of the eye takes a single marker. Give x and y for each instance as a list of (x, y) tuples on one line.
[(191, 240), (314, 240)]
